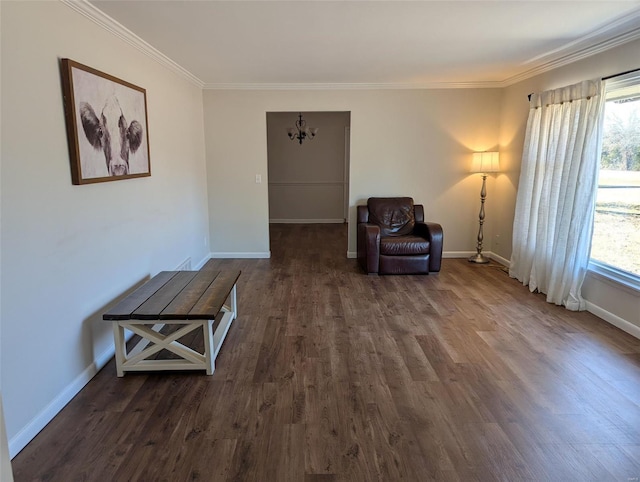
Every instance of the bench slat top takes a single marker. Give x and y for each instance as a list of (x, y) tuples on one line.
[(211, 301), (177, 295), (182, 305)]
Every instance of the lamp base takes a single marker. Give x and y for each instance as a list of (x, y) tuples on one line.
[(479, 258)]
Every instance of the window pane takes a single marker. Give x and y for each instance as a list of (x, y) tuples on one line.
[(616, 237)]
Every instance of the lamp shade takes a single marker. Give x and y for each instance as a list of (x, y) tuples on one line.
[(485, 162)]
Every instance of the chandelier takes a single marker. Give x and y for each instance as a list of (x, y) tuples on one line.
[(303, 132)]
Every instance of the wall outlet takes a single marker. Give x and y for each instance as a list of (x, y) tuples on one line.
[(258, 178)]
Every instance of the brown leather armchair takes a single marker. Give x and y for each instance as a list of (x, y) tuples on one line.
[(393, 238)]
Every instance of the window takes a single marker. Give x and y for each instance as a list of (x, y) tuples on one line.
[(615, 245)]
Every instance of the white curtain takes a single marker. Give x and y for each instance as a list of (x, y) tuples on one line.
[(556, 194)]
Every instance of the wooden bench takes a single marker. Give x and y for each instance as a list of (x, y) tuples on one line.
[(196, 299)]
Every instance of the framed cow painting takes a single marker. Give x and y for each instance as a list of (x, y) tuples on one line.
[(107, 127)]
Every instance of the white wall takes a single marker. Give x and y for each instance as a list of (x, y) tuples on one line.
[(307, 181), (614, 303), (6, 473), (68, 251), (403, 142)]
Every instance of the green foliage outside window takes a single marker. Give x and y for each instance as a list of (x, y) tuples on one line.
[(621, 142)]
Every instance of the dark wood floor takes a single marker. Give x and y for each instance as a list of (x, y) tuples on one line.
[(332, 375)]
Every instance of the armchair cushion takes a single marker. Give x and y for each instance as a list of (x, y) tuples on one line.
[(403, 245)]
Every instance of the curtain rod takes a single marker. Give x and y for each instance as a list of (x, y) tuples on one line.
[(619, 74), (603, 78)]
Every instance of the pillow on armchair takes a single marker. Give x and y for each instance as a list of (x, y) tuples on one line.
[(395, 215)]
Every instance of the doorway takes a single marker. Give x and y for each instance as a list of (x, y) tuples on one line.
[(308, 180)]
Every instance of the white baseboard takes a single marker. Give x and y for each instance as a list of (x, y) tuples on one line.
[(499, 259), (458, 254), (241, 255), (29, 431), (307, 221), (615, 320), (202, 262), (445, 254), (467, 254), (453, 255)]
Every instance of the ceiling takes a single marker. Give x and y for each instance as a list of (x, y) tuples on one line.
[(395, 43)]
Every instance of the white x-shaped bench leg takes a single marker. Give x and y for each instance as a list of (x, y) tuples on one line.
[(137, 359)]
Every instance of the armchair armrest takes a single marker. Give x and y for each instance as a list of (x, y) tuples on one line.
[(432, 232), (369, 247)]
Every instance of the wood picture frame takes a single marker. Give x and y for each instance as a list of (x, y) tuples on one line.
[(107, 126)]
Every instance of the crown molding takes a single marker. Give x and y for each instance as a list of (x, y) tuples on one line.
[(354, 86), (106, 22), (611, 30), (625, 30)]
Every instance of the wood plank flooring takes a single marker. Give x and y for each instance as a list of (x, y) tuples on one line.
[(332, 375)]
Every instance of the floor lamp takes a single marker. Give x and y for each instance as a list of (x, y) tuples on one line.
[(483, 163)]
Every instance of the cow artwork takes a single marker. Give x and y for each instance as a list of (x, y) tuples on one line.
[(111, 134), (106, 125)]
